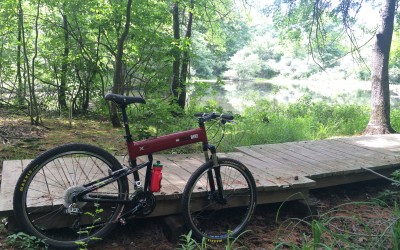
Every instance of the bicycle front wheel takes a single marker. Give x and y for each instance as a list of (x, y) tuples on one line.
[(217, 209), (43, 197)]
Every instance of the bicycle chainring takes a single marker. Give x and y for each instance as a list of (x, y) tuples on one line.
[(148, 202)]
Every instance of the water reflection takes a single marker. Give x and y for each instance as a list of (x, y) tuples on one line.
[(236, 95)]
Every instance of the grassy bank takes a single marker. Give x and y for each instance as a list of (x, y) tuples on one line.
[(264, 123)]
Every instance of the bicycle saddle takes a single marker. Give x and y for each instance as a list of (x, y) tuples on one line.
[(124, 100)]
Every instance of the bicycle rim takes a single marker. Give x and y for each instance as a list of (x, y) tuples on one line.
[(214, 219), (46, 205)]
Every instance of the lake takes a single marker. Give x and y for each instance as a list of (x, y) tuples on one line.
[(235, 96)]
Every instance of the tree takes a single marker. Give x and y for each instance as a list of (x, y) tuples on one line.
[(30, 65), (62, 100), (118, 78), (180, 65), (313, 16), (379, 122), (73, 51)]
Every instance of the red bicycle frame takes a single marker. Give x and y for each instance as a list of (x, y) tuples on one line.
[(152, 145)]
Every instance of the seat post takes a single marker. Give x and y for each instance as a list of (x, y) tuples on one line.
[(128, 135)]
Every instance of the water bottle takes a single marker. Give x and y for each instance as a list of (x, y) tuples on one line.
[(156, 176)]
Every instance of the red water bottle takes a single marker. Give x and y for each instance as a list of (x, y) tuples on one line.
[(156, 176)]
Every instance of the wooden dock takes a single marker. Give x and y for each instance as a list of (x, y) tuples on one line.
[(282, 172)]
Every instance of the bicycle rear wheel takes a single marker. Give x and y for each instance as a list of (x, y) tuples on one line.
[(207, 214), (43, 204)]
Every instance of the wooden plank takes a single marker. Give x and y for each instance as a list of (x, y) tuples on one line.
[(266, 165), (279, 169), (326, 160), (345, 151), (316, 168), (322, 166), (350, 178), (387, 144), (168, 188), (285, 157), (171, 180), (11, 172), (187, 162), (270, 174), (365, 157), (124, 160), (345, 162), (364, 151), (285, 161), (263, 178), (369, 158)]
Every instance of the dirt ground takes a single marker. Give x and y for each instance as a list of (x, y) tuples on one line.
[(338, 210), (272, 224)]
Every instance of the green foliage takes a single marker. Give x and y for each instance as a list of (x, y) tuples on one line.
[(231, 242), (388, 197), (26, 242), (317, 229), (325, 233), (258, 59), (396, 177), (319, 28), (157, 117), (395, 118), (394, 60), (77, 45), (269, 122), (395, 229), (95, 216), (188, 243)]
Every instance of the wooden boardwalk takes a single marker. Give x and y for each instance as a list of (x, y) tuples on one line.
[(282, 172)]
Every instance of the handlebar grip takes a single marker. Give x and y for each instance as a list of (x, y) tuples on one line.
[(227, 117), (199, 114)]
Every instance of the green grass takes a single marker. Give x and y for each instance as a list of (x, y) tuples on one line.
[(342, 227), (266, 122), (304, 120), (26, 141)]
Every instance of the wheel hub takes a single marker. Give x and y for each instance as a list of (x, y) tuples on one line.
[(69, 195)]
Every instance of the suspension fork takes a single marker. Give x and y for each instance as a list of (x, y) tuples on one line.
[(217, 171)]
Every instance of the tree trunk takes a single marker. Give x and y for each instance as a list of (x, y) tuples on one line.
[(64, 67), (21, 86), (176, 53), (379, 122), (34, 103), (180, 66), (30, 69), (118, 79)]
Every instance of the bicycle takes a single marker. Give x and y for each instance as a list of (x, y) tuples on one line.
[(79, 192)]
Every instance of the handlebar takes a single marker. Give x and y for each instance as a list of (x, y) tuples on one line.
[(211, 116)]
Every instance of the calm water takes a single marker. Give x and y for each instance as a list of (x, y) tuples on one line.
[(235, 96)]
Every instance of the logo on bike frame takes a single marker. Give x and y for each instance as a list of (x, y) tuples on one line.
[(187, 138)]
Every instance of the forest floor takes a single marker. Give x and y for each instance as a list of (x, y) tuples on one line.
[(355, 216)]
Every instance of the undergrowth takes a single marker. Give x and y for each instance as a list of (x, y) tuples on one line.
[(343, 228), (188, 243), (373, 224), (269, 122), (266, 122), (24, 241)]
